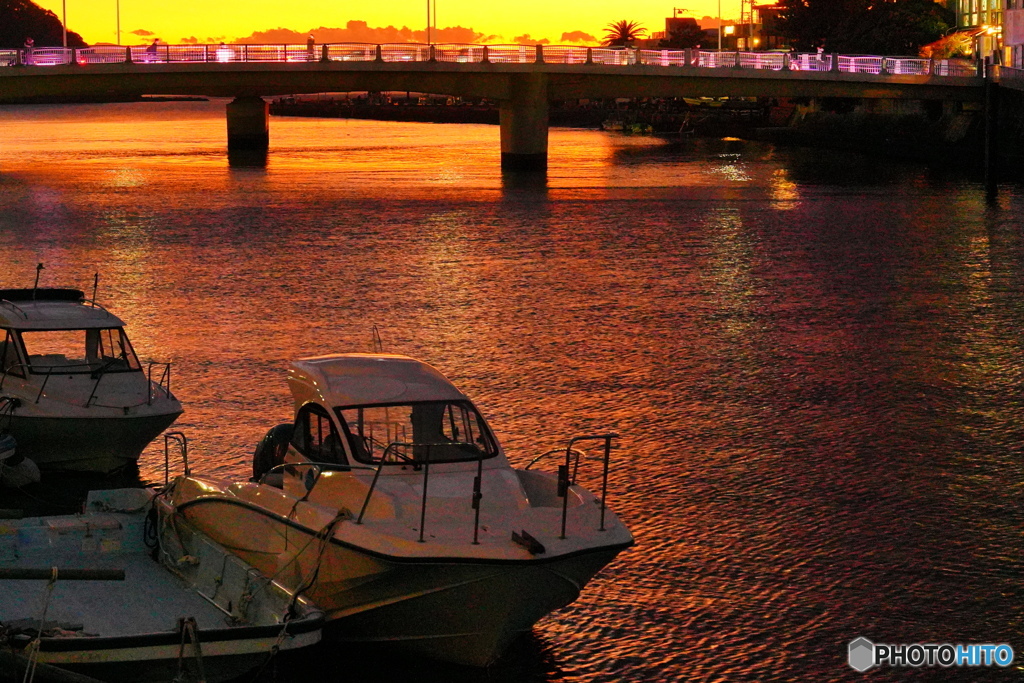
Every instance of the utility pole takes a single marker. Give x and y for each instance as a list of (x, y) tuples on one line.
[(719, 27)]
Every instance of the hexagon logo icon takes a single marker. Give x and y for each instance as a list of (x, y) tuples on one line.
[(862, 654)]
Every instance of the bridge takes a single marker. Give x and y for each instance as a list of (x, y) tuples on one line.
[(522, 78)]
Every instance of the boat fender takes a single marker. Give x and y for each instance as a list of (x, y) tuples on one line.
[(271, 449), (8, 452), (16, 470)]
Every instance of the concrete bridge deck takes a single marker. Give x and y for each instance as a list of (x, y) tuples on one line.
[(524, 79)]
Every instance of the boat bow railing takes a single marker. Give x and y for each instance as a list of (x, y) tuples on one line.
[(162, 386), (421, 460), (163, 382), (567, 472)]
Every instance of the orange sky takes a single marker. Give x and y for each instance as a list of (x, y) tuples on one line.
[(96, 20)]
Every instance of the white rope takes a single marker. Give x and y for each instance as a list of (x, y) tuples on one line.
[(34, 646)]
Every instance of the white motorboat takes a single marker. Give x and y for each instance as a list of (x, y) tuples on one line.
[(183, 609), (72, 391), (391, 504)]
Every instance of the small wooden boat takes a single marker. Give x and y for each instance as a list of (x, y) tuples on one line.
[(186, 608)]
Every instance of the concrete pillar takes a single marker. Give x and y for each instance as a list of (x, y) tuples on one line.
[(524, 123), (248, 123)]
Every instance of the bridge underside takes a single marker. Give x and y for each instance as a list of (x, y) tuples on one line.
[(523, 91)]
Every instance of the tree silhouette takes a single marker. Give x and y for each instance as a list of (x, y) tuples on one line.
[(892, 27), (623, 33), (21, 19)]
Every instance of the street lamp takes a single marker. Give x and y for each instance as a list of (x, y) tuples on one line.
[(64, 21), (118, 22), (719, 25), (429, 20)]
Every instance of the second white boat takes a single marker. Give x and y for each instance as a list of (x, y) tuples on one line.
[(391, 504)]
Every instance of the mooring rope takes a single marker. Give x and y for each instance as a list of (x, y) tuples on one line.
[(36, 644), (188, 626)]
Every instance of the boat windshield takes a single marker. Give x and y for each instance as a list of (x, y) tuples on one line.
[(71, 351), (429, 431)]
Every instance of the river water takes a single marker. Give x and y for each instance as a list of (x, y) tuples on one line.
[(814, 359)]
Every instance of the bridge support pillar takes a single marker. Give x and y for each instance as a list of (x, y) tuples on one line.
[(248, 123), (524, 124)]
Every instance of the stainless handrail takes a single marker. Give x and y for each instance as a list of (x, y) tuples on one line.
[(476, 494), (47, 370), (165, 376), (34, 370), (17, 308), (481, 54), (182, 441), (7, 371), (95, 304), (564, 479)]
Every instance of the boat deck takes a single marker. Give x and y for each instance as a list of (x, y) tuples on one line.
[(150, 599)]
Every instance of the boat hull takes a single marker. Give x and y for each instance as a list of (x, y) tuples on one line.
[(94, 444), (460, 610), (466, 614), (146, 659)]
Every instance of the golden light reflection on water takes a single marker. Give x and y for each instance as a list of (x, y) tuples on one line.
[(815, 378), (784, 192)]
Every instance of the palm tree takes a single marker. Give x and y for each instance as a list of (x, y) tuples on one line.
[(623, 33)]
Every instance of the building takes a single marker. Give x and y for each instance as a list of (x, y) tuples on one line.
[(984, 20)]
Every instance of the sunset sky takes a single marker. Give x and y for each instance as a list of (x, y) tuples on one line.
[(96, 20)]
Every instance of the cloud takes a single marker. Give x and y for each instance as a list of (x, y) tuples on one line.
[(525, 39), (191, 40), (361, 32), (577, 37), (142, 32)]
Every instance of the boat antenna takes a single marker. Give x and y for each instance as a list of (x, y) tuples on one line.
[(378, 345), (95, 285), (39, 269)]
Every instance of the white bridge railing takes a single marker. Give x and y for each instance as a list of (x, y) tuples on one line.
[(494, 54)]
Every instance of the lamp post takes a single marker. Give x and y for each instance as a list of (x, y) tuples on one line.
[(118, 22), (64, 20), (719, 25), (431, 21)]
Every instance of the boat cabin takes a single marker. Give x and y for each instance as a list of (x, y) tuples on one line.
[(369, 409), (57, 331)]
